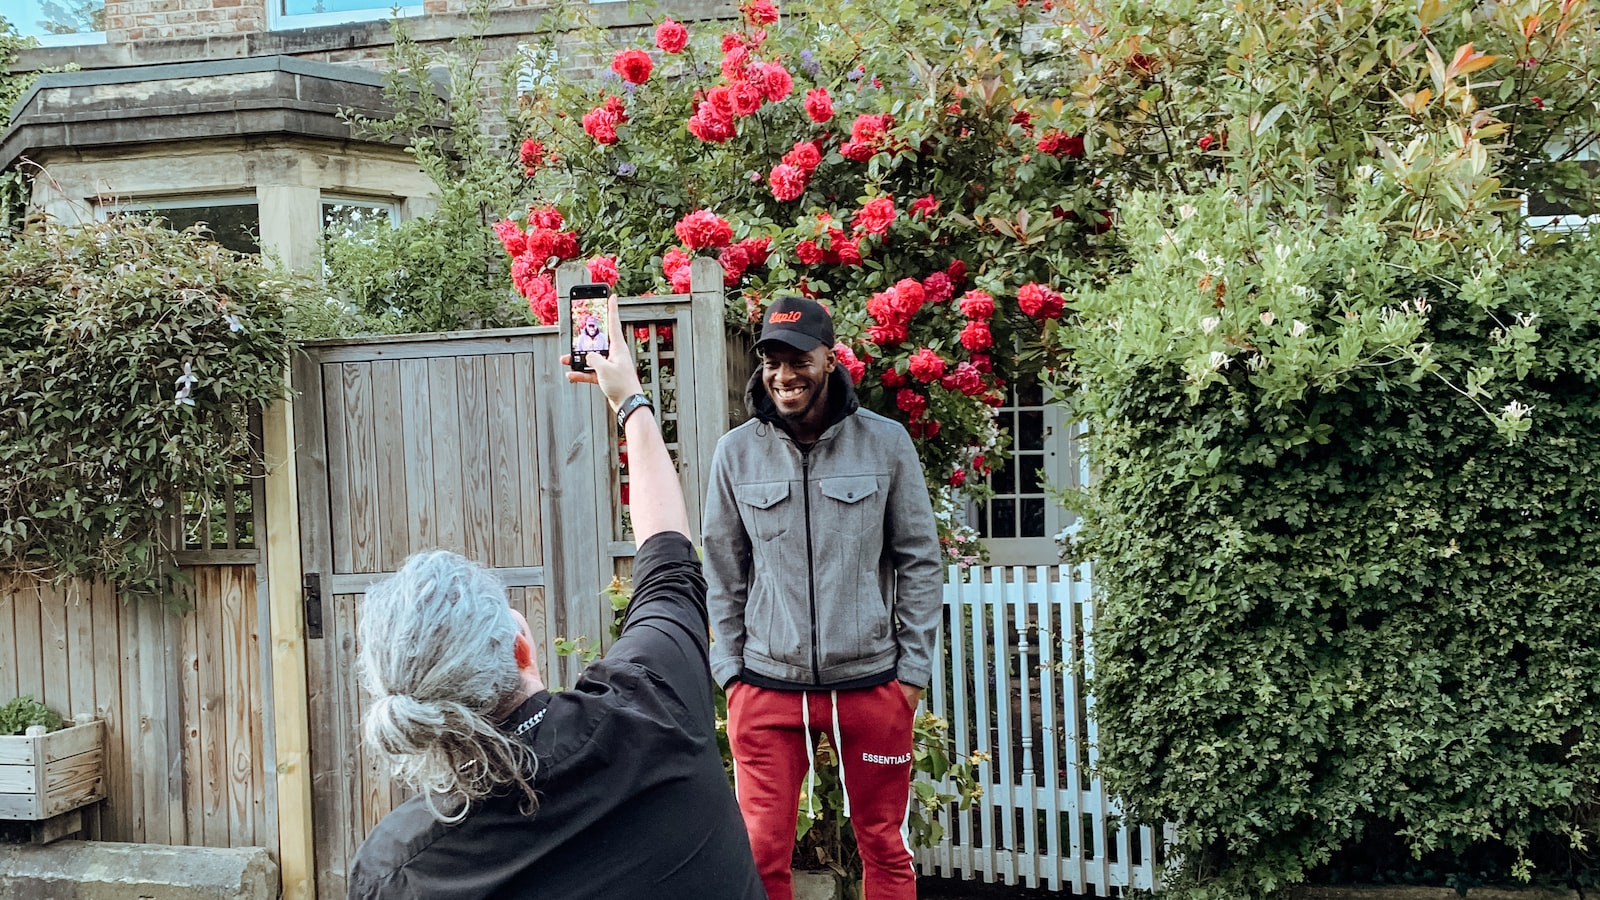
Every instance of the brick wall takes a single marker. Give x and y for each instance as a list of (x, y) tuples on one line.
[(135, 21)]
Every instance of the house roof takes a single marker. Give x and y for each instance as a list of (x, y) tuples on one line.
[(274, 95)]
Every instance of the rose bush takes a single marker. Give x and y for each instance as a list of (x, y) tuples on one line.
[(882, 159)]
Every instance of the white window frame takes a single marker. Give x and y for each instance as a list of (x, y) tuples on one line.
[(75, 39), (1064, 466), (157, 203), (1564, 222), (282, 21), (386, 204)]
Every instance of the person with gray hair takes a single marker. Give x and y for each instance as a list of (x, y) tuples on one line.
[(612, 788)]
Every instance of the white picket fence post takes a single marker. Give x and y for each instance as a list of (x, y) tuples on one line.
[(1016, 646)]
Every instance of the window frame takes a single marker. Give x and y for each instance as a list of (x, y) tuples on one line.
[(283, 21), (1064, 466), (158, 202)]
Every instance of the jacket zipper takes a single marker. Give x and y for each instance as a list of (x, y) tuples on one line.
[(811, 569)]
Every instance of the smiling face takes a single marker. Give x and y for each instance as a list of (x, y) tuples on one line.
[(797, 382), (591, 326)]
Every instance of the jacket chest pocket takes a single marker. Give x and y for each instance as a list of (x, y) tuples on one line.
[(766, 509), (854, 505)]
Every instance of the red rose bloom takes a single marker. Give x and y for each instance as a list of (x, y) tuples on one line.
[(702, 229), (808, 252), (856, 151), (747, 98), (848, 251), (531, 155), (601, 124), (912, 402), (847, 358), (966, 378), (938, 287), (565, 245), (734, 261), (1022, 117), (787, 182), (1040, 302), (680, 281), (545, 217), (759, 12), (957, 270), (734, 61), (926, 365), (805, 156), (710, 124), (909, 296), (870, 130), (511, 236), (819, 106), (1058, 143), (981, 361), (892, 379), (541, 295), (977, 305), (923, 429), (672, 37), (975, 335), (924, 206), (881, 307), (756, 249), (888, 335), (776, 82), (730, 40), (673, 261), (641, 333), (616, 107), (633, 65), (603, 269), (876, 216), (541, 245), (523, 269), (958, 477)]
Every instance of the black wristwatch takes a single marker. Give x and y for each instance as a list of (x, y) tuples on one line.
[(629, 407)]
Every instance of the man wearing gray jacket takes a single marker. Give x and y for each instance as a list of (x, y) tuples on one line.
[(823, 565)]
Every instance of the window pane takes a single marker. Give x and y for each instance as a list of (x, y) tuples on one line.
[(232, 225), (1028, 473), (1033, 518), (312, 7), (342, 218), (1005, 518), (1029, 392), (42, 18), (1004, 479), (1030, 429)]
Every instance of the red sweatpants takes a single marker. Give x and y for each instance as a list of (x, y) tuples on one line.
[(871, 729)]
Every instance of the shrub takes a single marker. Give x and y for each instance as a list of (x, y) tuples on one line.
[(22, 713)]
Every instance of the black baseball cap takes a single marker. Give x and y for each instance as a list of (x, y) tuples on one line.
[(797, 321)]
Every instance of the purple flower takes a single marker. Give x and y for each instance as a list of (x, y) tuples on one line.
[(629, 87), (627, 169), (857, 73), (809, 64), (609, 78)]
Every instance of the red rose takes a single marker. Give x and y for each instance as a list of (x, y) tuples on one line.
[(892, 379), (541, 245), (633, 65), (616, 107), (531, 155), (870, 130), (680, 281), (776, 82), (926, 365), (672, 37), (966, 378), (601, 124), (920, 429), (734, 61), (848, 251), (523, 270), (805, 156), (564, 245), (730, 40), (881, 307), (957, 270), (674, 260), (981, 361), (734, 261), (747, 98), (888, 335), (541, 295), (756, 249), (958, 477), (1022, 117), (924, 206), (511, 236), (975, 335), (977, 305), (702, 229), (759, 12), (909, 296), (1039, 301), (876, 216), (912, 402), (847, 358), (938, 287), (603, 270), (787, 182), (819, 106), (1058, 143), (545, 217), (808, 252), (641, 333), (856, 151), (710, 124)]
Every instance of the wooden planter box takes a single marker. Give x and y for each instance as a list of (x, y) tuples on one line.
[(46, 774)]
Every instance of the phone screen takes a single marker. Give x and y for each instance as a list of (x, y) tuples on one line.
[(591, 325)]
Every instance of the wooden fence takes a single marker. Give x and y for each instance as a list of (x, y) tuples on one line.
[(189, 750), (1016, 647)]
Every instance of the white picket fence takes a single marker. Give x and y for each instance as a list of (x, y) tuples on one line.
[(1017, 644)]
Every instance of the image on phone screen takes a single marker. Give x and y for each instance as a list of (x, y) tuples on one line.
[(591, 330)]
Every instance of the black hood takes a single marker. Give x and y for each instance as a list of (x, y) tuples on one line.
[(842, 400)]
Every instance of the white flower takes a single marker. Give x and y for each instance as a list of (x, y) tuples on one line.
[(1282, 253), (1526, 319), (233, 322), (1267, 318), (1421, 303), (186, 383), (1219, 360), (1186, 211), (1515, 411), (1298, 328), (1209, 324), (1255, 362)]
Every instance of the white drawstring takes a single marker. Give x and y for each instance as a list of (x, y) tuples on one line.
[(811, 765), (838, 747)]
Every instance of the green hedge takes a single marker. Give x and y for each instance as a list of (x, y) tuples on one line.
[(1361, 614)]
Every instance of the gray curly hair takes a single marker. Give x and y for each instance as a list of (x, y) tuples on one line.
[(437, 655)]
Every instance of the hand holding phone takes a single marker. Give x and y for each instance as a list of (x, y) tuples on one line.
[(591, 323), (614, 372)]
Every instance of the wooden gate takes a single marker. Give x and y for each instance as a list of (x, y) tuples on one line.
[(472, 442)]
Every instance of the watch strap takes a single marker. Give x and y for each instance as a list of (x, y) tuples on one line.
[(631, 406)]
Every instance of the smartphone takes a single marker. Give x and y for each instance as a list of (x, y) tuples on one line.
[(591, 323)]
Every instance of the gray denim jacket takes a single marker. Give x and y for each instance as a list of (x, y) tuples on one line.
[(822, 567)]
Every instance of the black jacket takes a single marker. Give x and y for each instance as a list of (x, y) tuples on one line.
[(633, 799)]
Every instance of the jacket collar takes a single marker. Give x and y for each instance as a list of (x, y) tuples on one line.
[(842, 401)]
